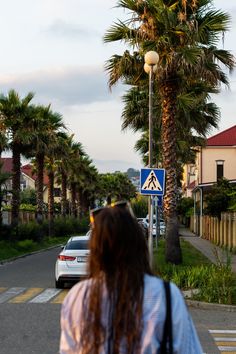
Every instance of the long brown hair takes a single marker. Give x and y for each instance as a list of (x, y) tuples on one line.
[(117, 264)]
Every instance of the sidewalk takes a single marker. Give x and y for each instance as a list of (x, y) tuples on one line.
[(206, 247)]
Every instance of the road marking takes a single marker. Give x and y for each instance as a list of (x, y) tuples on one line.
[(28, 294), (59, 298), (45, 296), (2, 289), (19, 295), (10, 293), (228, 331), (225, 340)]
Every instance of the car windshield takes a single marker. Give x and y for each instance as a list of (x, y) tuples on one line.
[(77, 245)]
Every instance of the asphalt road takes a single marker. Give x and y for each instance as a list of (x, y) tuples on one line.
[(30, 309)]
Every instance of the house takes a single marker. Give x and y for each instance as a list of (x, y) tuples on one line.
[(215, 160), (28, 180)]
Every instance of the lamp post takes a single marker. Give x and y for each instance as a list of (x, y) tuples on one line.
[(151, 59)]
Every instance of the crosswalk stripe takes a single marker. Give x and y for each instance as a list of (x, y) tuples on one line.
[(227, 349), (229, 331), (45, 296), (28, 294), (59, 298), (10, 293), (225, 340)]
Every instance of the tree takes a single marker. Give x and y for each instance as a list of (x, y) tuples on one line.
[(3, 178), (185, 35), (28, 196), (219, 198), (14, 115), (43, 126)]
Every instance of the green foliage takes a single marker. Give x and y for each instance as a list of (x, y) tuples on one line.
[(185, 210), (70, 226), (37, 232), (28, 207), (116, 186), (216, 283), (232, 202), (184, 206), (25, 245), (23, 207), (28, 196), (220, 198), (140, 206)]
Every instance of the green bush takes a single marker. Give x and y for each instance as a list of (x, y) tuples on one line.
[(25, 245), (37, 232)]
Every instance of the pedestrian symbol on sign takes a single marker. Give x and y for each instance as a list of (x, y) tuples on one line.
[(151, 183)]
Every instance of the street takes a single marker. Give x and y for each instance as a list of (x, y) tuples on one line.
[(30, 310)]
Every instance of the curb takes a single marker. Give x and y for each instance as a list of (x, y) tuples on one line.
[(27, 254), (210, 306)]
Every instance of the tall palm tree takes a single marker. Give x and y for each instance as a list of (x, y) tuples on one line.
[(44, 126), (185, 35), (15, 114)]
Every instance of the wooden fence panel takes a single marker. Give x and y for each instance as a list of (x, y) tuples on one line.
[(219, 231)]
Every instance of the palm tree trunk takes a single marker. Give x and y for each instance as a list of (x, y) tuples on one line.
[(51, 202), (73, 200), (16, 174), (168, 95), (39, 187), (63, 193)]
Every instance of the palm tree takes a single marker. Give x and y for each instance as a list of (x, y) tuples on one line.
[(185, 35), (3, 178), (15, 114), (44, 126)]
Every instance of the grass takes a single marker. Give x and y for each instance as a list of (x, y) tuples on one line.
[(216, 283), (191, 256), (10, 250)]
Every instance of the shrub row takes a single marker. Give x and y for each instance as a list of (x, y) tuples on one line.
[(37, 232)]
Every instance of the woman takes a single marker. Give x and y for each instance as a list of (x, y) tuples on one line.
[(121, 307)]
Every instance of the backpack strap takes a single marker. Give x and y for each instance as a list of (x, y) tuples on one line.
[(167, 333)]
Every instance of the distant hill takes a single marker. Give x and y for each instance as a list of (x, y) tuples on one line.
[(105, 166)]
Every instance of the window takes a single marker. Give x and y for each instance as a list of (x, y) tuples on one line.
[(219, 169)]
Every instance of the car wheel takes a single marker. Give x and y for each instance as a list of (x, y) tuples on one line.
[(59, 284)]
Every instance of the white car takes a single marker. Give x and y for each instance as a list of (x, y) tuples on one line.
[(162, 225), (71, 264)]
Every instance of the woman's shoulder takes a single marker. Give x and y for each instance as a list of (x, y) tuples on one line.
[(77, 291), (155, 285)]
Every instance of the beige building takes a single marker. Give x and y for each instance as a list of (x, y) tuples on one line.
[(215, 160)]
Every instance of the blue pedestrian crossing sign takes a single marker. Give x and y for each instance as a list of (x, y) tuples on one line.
[(152, 181)]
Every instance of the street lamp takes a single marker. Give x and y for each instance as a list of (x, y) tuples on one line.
[(151, 59)]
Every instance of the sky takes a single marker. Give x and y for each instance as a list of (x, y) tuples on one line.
[(55, 49)]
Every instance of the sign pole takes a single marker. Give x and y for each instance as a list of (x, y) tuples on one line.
[(150, 206)]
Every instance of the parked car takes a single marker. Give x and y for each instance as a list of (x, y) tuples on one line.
[(71, 263), (162, 225)]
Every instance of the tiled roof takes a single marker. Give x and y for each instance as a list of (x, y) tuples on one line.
[(7, 164), (27, 170), (225, 138)]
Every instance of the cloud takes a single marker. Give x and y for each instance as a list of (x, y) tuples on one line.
[(60, 28), (67, 86)]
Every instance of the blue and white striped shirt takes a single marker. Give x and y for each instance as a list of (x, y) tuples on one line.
[(185, 339)]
